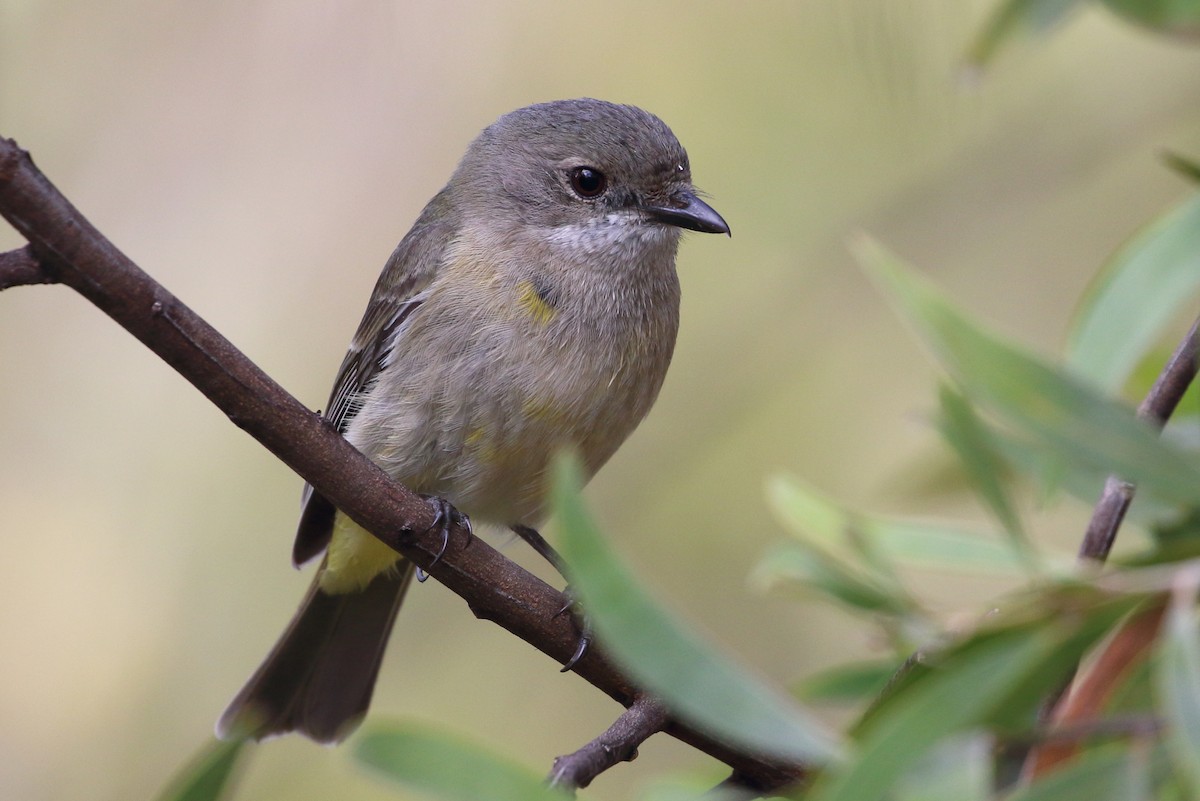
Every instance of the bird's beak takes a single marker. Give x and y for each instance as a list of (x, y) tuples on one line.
[(689, 211)]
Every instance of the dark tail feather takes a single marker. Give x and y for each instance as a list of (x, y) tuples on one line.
[(318, 678)]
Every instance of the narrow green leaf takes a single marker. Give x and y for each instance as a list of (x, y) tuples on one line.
[(961, 692), (853, 682), (1179, 18), (1102, 774), (816, 520), (1014, 19), (445, 767), (1178, 678), (208, 775), (962, 429), (1183, 165), (995, 679), (1043, 403), (696, 681), (957, 769), (810, 569), (1140, 290)]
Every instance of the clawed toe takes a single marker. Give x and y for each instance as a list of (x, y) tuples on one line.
[(445, 519), (573, 607)]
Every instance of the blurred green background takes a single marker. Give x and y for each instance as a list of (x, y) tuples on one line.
[(262, 159)]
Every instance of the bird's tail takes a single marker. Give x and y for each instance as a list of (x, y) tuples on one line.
[(319, 677)]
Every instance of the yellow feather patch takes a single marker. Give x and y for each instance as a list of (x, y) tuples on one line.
[(354, 558), (544, 411), (477, 442), (533, 304)]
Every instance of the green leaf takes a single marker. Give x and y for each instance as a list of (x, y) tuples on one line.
[(445, 767), (814, 570), (1140, 290), (1183, 165), (697, 682), (209, 774), (1016, 19), (1173, 17), (954, 697), (995, 678), (957, 769), (1102, 774), (818, 522), (1178, 678), (961, 427), (1042, 403), (853, 682)]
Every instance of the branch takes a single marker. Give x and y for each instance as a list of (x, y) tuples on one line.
[(21, 268), (1091, 691), (1157, 408), (646, 716), (1081, 698), (66, 248)]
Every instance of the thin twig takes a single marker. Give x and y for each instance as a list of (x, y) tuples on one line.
[(1157, 408), (21, 268), (1087, 693), (1091, 691), (70, 250), (619, 743)]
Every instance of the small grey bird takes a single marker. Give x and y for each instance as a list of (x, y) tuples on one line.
[(532, 307)]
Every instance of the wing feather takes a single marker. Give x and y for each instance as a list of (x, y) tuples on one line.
[(398, 293)]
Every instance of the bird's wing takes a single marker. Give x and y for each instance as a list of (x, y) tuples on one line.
[(408, 272)]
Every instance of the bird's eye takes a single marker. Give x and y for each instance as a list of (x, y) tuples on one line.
[(588, 182)]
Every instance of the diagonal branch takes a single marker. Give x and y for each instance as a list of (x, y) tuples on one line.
[(65, 248), (619, 743)]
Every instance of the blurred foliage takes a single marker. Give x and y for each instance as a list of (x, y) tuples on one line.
[(446, 767), (209, 777)]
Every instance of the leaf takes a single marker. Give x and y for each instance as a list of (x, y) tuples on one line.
[(1040, 402), (1013, 19), (956, 696), (1102, 774), (1139, 291), (208, 775), (1179, 18), (957, 769), (816, 520), (698, 683), (814, 570), (995, 678), (962, 429), (1183, 165), (1178, 678), (444, 767), (853, 682)]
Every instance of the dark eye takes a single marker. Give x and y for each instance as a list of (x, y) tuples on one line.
[(588, 182)]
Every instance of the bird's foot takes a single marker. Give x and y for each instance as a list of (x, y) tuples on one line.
[(445, 519), (573, 608)]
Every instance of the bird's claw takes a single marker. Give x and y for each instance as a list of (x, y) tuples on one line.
[(573, 608), (446, 517)]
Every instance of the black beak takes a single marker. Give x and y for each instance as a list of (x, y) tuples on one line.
[(692, 213)]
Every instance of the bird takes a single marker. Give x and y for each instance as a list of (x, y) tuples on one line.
[(533, 307)]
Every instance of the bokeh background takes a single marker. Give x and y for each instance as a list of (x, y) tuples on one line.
[(262, 159)]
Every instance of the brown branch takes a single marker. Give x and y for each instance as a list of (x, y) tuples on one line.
[(619, 743), (66, 248), (1091, 691), (22, 268), (1088, 693), (1157, 408)]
